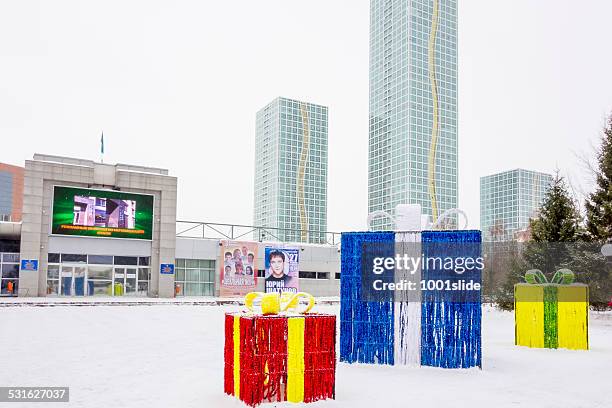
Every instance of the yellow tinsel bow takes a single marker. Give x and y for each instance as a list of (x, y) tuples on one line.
[(275, 303)]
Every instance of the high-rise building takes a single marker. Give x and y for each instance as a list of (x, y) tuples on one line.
[(291, 171), (413, 106), (11, 192), (508, 200)]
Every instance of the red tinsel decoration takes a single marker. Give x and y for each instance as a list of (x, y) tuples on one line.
[(263, 358), (319, 357)]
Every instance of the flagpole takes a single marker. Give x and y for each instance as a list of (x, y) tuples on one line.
[(102, 148)]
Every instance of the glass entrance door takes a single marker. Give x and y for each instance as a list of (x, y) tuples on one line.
[(73, 280), (130, 281), (124, 281), (118, 281), (66, 280)]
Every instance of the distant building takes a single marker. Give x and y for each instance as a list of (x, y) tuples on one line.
[(11, 192), (412, 152), (508, 200), (291, 171)]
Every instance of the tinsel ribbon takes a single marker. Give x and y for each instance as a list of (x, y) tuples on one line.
[(408, 306), (551, 315), (281, 358), (295, 360)]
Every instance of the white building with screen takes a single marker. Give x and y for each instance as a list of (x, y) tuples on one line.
[(81, 258), (98, 230)]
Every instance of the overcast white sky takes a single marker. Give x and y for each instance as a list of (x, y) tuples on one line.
[(176, 84)]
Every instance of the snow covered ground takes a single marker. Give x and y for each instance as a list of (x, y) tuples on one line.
[(172, 356)]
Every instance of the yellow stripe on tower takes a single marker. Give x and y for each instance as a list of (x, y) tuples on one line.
[(573, 312), (529, 315), (237, 356), (431, 66), (295, 359), (302, 172)]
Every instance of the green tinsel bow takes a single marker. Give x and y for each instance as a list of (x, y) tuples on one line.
[(561, 277)]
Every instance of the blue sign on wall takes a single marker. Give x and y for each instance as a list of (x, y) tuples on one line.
[(166, 269), (29, 265)]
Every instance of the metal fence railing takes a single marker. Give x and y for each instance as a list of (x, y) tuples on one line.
[(210, 230)]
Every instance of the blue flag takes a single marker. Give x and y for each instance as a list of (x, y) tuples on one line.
[(102, 143)]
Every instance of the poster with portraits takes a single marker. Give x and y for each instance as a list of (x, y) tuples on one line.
[(282, 269), (238, 273)]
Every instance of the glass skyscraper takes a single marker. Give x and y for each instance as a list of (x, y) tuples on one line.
[(508, 200), (291, 171), (413, 106)]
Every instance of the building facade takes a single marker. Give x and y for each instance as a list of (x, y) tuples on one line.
[(11, 192), (508, 200), (93, 229), (413, 106), (291, 171), (198, 258)]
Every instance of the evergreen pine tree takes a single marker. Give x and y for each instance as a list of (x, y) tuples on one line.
[(558, 223), (559, 219), (599, 203)]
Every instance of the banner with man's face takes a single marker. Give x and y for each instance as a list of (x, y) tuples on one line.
[(282, 269), (238, 273)]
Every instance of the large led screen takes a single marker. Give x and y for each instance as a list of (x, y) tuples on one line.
[(101, 213)]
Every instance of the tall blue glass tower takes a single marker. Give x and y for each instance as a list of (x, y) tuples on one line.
[(413, 106)]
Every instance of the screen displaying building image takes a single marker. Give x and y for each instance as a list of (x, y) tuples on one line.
[(104, 212)]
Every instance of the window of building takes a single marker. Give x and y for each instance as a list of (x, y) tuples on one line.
[(195, 277), (100, 278), (314, 275), (9, 274), (75, 258), (100, 259), (126, 260)]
